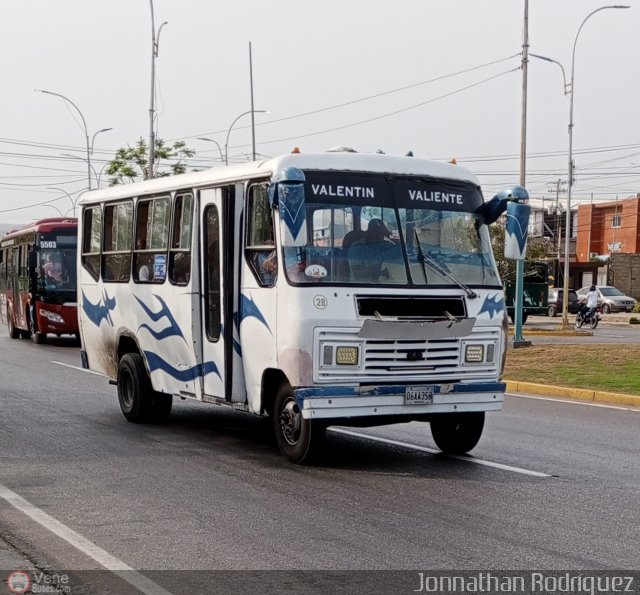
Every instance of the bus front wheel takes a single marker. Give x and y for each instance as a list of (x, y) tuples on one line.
[(138, 401), (14, 333), (299, 439), (457, 433)]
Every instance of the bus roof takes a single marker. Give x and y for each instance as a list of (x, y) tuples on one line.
[(329, 161), (41, 226)]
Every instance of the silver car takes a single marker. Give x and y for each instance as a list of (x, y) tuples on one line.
[(610, 299)]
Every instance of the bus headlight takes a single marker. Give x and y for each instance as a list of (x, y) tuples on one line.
[(473, 354), (52, 316), (335, 355), (347, 356)]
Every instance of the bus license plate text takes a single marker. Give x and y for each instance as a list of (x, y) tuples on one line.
[(418, 395)]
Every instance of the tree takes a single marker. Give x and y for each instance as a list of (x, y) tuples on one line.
[(132, 163)]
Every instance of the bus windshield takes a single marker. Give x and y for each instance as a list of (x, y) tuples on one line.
[(369, 244), (57, 269)]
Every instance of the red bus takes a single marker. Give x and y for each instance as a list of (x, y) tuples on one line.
[(38, 279)]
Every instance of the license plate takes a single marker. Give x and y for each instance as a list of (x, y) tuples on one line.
[(418, 395)]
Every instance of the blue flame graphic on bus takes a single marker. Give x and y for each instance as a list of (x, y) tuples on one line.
[(248, 309), (96, 313), (155, 362), (492, 305), (173, 330)]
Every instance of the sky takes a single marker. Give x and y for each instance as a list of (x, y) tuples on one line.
[(440, 78)]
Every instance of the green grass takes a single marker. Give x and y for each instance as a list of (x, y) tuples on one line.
[(612, 368)]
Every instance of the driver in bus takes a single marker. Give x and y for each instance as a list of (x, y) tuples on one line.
[(367, 255), (53, 268)]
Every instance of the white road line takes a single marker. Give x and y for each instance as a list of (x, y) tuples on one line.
[(434, 451), (90, 549), (574, 402), (77, 368)]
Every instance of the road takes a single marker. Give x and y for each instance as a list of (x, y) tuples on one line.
[(613, 329), (552, 485)]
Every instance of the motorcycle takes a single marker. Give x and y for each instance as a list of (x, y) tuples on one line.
[(590, 317)]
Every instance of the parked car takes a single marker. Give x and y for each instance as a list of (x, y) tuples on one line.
[(556, 296), (610, 299)]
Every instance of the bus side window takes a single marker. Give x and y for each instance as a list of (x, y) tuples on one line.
[(92, 240), (116, 254), (152, 231), (180, 251), (261, 252)]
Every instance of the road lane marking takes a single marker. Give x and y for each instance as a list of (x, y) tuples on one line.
[(419, 448), (574, 402), (77, 368), (90, 549)]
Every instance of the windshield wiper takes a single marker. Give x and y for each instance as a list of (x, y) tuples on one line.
[(426, 259)]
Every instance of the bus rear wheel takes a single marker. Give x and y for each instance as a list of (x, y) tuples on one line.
[(138, 401), (457, 433), (298, 439)]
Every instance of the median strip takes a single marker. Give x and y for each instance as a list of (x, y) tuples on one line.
[(578, 394)]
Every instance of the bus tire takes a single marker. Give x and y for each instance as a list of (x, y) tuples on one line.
[(134, 389), (37, 338), (298, 439), (14, 333), (457, 433)]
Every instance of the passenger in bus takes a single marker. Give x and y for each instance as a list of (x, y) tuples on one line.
[(367, 255), (267, 265), (143, 273)]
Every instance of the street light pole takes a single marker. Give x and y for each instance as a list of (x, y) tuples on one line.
[(565, 296), (73, 203), (518, 339), (155, 40), (86, 131), (226, 142), (216, 143)]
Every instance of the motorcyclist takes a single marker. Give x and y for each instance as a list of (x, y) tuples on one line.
[(591, 303)]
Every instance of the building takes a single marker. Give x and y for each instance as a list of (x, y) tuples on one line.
[(608, 228)]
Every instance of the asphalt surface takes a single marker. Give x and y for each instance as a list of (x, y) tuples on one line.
[(613, 329), (551, 485)]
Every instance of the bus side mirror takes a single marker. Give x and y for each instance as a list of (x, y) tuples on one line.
[(286, 193), (492, 209), (516, 230)]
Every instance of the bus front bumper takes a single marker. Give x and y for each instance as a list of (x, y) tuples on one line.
[(402, 399)]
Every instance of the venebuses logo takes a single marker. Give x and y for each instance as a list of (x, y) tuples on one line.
[(18, 581)]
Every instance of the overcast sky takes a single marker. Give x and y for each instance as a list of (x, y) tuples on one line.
[(438, 77)]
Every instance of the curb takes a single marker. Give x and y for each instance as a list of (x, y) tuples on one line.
[(578, 394)]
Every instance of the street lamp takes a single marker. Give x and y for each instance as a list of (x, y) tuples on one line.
[(565, 297), (89, 144), (93, 138), (73, 202), (155, 41), (216, 143), (226, 142)]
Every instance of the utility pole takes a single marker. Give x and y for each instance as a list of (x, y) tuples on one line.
[(518, 340)]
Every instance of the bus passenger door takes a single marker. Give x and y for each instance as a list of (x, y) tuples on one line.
[(17, 308), (219, 279)]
